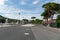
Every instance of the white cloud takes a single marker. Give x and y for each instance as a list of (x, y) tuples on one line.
[(22, 3), (9, 11), (57, 1), (28, 16), (1, 2), (46, 2), (35, 2), (12, 12)]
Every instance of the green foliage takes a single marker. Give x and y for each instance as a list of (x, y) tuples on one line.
[(58, 17), (51, 6), (2, 19), (36, 21), (32, 21), (33, 17), (50, 9), (58, 21), (59, 11), (25, 21), (45, 14), (12, 20)]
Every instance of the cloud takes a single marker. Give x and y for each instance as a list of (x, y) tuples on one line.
[(22, 3), (28, 16), (8, 9), (57, 1), (1, 2), (35, 2), (12, 11)]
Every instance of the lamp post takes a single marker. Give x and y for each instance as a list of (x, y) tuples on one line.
[(19, 18)]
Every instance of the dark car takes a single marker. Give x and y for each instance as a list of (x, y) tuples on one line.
[(53, 25)]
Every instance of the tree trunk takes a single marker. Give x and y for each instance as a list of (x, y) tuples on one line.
[(51, 17), (48, 23)]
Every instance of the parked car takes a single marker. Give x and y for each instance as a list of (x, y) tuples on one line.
[(53, 24)]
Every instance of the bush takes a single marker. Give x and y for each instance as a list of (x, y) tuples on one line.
[(37, 21), (58, 21)]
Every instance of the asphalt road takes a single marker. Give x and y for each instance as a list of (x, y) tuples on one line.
[(46, 33), (38, 32), (16, 33)]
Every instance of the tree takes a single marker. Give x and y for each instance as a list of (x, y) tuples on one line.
[(58, 21), (45, 15), (2, 19), (51, 8), (12, 20), (25, 21), (37, 21), (33, 20), (59, 11), (33, 17)]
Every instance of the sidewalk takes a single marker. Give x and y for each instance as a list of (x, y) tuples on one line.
[(5, 25)]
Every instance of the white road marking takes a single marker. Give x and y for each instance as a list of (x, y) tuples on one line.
[(26, 33)]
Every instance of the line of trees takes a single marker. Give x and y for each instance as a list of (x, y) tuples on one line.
[(35, 21), (3, 20), (23, 21)]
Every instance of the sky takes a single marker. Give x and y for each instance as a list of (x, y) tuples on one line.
[(23, 8)]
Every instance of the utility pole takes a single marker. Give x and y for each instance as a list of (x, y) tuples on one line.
[(19, 19), (18, 22)]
